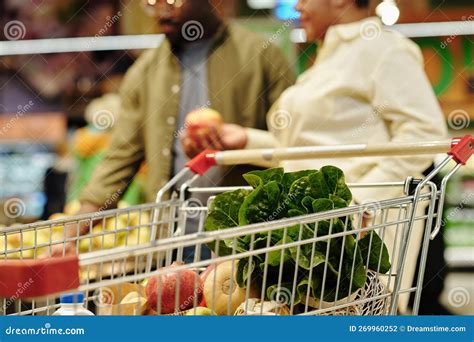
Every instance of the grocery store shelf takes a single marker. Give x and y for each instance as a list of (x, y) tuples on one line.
[(460, 257)]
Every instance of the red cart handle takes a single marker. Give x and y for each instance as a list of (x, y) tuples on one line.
[(38, 277), (462, 149), (202, 162)]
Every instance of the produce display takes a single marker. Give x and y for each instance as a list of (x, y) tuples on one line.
[(277, 195), (127, 229)]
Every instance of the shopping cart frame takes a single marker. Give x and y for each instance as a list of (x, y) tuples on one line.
[(459, 150)]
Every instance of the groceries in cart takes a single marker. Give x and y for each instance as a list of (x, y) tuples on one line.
[(277, 195), (287, 244)]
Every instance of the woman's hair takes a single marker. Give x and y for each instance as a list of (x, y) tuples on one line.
[(362, 3)]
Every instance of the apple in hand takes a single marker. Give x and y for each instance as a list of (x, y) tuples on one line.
[(200, 121)]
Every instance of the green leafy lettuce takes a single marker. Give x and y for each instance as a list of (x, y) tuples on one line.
[(342, 261)]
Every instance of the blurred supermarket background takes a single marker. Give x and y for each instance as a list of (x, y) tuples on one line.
[(51, 135)]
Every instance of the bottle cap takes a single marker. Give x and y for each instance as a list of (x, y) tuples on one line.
[(72, 298)]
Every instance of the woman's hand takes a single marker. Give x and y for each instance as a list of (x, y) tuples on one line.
[(223, 137)]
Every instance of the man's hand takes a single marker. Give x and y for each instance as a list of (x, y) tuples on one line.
[(223, 137)]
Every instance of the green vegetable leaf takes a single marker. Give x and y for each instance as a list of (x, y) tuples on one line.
[(318, 188), (255, 178), (307, 203), (297, 192), (260, 205), (322, 204), (275, 257), (379, 259), (336, 183), (304, 257), (338, 201), (223, 214), (244, 272), (290, 177)]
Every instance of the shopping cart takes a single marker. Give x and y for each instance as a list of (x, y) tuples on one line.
[(340, 268)]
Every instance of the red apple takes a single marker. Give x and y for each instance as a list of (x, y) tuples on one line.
[(190, 285), (201, 120)]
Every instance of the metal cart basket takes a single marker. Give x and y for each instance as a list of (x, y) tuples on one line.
[(144, 260)]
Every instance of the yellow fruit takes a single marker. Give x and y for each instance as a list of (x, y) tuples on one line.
[(138, 236), (122, 205), (14, 240), (86, 245), (58, 216), (72, 207), (2, 245), (133, 298), (116, 223)]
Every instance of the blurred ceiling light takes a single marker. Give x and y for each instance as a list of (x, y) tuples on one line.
[(388, 11), (261, 4)]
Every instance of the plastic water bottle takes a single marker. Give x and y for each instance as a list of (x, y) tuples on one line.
[(72, 304)]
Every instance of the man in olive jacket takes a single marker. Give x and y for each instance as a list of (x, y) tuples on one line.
[(203, 62)]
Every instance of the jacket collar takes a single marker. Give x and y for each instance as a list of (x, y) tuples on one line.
[(338, 34), (351, 31)]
